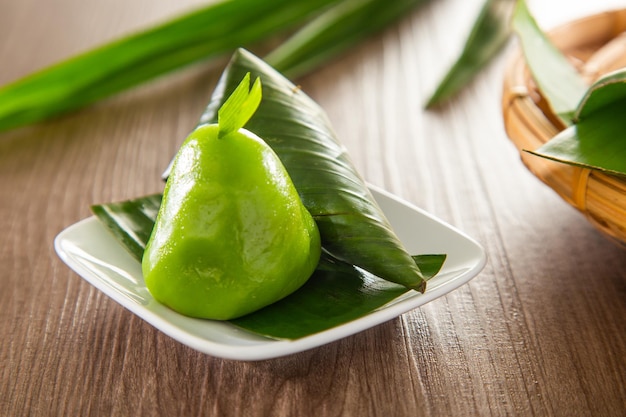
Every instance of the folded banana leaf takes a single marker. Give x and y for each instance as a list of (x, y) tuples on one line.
[(336, 293), (489, 34), (597, 139), (352, 226)]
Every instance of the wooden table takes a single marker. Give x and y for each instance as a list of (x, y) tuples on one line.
[(540, 331)]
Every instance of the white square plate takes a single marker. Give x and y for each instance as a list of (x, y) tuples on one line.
[(93, 253)]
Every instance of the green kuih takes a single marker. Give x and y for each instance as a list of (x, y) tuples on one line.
[(232, 235)]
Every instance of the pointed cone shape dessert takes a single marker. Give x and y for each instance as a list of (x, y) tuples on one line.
[(232, 234)]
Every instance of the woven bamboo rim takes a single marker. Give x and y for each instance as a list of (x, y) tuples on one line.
[(597, 45)]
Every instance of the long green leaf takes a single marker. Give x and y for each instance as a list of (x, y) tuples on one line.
[(217, 29), (334, 31), (489, 34), (598, 139), (337, 292), (352, 226), (558, 80), (207, 33)]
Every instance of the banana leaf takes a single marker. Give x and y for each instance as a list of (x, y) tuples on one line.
[(597, 140), (352, 226), (557, 79), (488, 36), (336, 293), (209, 32), (334, 31)]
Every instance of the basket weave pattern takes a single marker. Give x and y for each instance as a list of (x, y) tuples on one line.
[(596, 45)]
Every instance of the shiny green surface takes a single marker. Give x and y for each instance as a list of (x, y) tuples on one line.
[(231, 235)]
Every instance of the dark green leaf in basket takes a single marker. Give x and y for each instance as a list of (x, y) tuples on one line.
[(354, 229), (337, 29), (558, 80), (352, 226), (598, 139), (214, 30), (336, 293), (608, 91), (489, 34)]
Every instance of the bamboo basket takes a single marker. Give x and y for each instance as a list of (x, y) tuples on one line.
[(597, 45)]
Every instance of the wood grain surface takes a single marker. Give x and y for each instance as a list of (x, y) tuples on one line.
[(541, 331)]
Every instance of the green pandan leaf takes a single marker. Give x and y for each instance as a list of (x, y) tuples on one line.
[(212, 31), (598, 139), (337, 293), (356, 235), (489, 34), (131, 221), (240, 106), (558, 80)]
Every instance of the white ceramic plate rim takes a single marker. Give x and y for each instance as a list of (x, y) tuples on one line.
[(89, 249)]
